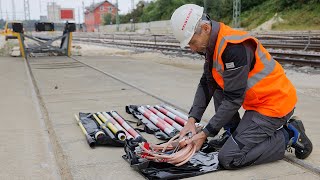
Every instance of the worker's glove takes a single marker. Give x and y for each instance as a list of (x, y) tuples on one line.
[(189, 127)]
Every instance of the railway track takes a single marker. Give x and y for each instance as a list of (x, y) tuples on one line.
[(302, 41), (299, 49), (300, 58)]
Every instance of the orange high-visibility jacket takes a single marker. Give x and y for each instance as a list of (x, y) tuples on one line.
[(269, 91)]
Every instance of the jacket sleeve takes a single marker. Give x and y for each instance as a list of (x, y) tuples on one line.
[(237, 59), (203, 94)]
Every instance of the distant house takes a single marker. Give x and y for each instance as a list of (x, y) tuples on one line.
[(94, 14)]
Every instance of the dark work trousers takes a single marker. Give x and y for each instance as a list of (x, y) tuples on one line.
[(257, 139), (233, 123)]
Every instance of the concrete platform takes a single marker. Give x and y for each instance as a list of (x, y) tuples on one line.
[(25, 151), (67, 87), (178, 84), (70, 88)]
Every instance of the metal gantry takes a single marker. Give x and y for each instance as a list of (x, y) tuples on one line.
[(236, 13), (27, 10)]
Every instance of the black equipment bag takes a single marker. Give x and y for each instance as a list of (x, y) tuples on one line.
[(92, 128), (202, 162)]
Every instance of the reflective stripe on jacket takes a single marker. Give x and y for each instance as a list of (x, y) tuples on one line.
[(269, 91)]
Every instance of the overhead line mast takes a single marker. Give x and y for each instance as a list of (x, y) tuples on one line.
[(13, 10), (27, 9), (236, 13)]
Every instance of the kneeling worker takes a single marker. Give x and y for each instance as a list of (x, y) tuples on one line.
[(239, 71)]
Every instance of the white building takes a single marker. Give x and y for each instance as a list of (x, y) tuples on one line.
[(53, 12), (43, 18)]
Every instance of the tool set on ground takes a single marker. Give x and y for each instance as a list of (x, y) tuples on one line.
[(106, 128), (161, 120), (172, 159)]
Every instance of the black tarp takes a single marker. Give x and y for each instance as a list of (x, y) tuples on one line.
[(202, 162)]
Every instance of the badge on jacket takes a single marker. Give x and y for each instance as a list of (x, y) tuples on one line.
[(230, 65)]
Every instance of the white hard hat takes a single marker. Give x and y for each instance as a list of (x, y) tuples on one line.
[(184, 21)]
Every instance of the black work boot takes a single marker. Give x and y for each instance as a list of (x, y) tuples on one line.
[(300, 141), (219, 142)]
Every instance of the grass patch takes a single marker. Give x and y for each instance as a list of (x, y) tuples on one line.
[(258, 15), (296, 17), (307, 17)]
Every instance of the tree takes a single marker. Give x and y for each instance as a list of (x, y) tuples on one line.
[(219, 10), (108, 19), (136, 14)]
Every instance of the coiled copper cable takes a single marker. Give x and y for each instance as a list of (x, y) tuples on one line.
[(176, 151)]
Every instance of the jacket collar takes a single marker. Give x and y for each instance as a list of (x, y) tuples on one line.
[(213, 38)]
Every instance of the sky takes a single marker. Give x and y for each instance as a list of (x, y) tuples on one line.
[(39, 7)]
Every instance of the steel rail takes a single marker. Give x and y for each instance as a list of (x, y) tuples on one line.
[(292, 57)]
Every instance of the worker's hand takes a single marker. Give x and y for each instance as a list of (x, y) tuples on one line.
[(189, 127), (198, 140)]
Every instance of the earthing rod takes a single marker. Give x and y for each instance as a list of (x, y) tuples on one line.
[(115, 123), (90, 140), (125, 125), (165, 118), (178, 113), (171, 115), (119, 134), (155, 121), (171, 128), (103, 127)]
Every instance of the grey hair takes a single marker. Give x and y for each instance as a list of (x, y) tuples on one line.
[(205, 19), (199, 24)]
